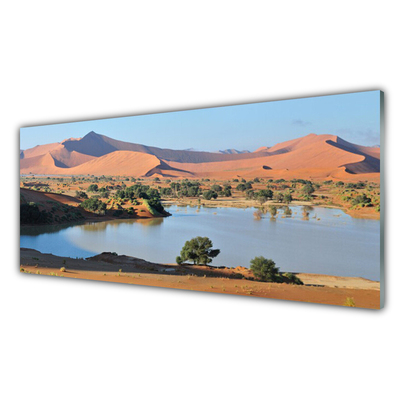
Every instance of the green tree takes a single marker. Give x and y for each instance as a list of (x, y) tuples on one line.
[(279, 197), (241, 187), (93, 188), (199, 250), (216, 188), (265, 269), (263, 195), (287, 198), (210, 194), (308, 189), (94, 204)]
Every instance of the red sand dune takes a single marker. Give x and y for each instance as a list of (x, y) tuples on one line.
[(118, 163), (311, 156)]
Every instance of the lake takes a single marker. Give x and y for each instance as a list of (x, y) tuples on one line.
[(329, 242)]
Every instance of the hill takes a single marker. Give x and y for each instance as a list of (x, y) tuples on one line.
[(309, 157)]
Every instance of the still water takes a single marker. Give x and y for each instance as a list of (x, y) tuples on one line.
[(328, 242)]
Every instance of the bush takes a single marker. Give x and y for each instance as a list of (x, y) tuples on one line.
[(308, 189), (179, 260), (265, 270), (292, 279), (93, 188), (216, 188), (93, 204), (118, 213), (81, 194), (30, 214), (349, 302), (210, 194), (154, 207), (361, 199)]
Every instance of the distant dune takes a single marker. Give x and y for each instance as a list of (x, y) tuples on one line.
[(312, 156)]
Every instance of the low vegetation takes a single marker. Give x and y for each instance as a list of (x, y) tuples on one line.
[(266, 270)]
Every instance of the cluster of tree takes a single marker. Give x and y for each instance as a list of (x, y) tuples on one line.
[(361, 199), (93, 187), (155, 204), (94, 204), (31, 214), (359, 185), (80, 194), (242, 187), (225, 191), (210, 194), (267, 194), (137, 191), (302, 181), (186, 188)]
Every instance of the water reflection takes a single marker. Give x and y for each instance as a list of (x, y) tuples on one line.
[(323, 243)]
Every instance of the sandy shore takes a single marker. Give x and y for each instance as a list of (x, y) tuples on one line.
[(322, 289), (241, 202)]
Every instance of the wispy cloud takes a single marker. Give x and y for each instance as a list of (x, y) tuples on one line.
[(300, 122)]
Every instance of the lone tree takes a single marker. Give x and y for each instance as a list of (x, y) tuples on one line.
[(265, 269), (199, 250)]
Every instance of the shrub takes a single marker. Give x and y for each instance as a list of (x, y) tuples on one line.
[(30, 214), (210, 194), (179, 260), (265, 269), (241, 187), (361, 199), (93, 188), (292, 279), (80, 194), (216, 188), (349, 302), (93, 204), (308, 189), (154, 207)]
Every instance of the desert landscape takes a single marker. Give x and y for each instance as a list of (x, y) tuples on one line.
[(96, 183)]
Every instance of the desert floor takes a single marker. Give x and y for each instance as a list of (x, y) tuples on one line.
[(322, 289)]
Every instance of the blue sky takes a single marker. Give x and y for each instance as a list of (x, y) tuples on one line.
[(354, 117)]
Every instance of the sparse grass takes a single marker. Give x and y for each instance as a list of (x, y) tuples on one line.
[(349, 302)]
